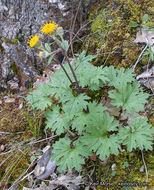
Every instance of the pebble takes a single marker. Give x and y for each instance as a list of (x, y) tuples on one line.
[(10, 100), (113, 167), (141, 168)]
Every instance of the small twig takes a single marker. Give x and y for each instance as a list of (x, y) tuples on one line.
[(81, 28), (139, 58), (71, 133), (4, 133), (17, 144), (8, 133), (146, 77), (17, 181), (57, 51), (146, 171), (22, 179), (31, 143), (73, 25), (5, 160)]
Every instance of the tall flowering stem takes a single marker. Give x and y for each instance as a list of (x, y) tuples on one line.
[(68, 61), (65, 72)]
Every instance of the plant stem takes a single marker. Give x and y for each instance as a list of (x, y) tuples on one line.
[(65, 72), (68, 61)]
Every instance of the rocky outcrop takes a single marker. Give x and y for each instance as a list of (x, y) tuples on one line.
[(19, 19)]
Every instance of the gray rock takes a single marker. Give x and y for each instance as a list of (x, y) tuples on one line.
[(44, 167), (21, 18)]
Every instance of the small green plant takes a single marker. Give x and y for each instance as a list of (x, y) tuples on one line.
[(81, 119), (146, 21), (149, 52), (33, 123)]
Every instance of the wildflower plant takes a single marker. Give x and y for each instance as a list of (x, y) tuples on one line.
[(80, 103)]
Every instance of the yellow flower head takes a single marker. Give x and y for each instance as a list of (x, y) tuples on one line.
[(49, 27), (33, 40), (43, 54), (40, 54)]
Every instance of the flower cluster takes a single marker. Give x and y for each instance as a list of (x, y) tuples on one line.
[(47, 28)]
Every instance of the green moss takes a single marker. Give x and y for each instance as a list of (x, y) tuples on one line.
[(14, 166), (14, 68), (7, 40), (111, 34), (13, 41), (130, 173), (14, 121), (1, 48), (19, 39)]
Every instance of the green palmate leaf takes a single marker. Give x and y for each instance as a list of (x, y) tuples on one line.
[(123, 77), (38, 101), (75, 104), (111, 74), (67, 157), (103, 122), (97, 138), (83, 69), (82, 118), (129, 96), (45, 89), (61, 88), (40, 97), (82, 58), (56, 121), (85, 72), (100, 78), (137, 135), (102, 145), (118, 77)]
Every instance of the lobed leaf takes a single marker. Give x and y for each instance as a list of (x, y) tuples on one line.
[(75, 104), (96, 136), (56, 121), (116, 77), (67, 157), (82, 119), (129, 96), (40, 97), (137, 135)]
